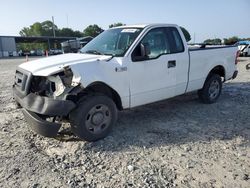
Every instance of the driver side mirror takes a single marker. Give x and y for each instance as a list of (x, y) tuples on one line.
[(141, 52), (145, 50)]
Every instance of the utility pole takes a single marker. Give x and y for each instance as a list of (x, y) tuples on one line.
[(53, 27), (67, 20)]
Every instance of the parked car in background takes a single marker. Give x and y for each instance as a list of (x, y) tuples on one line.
[(23, 52), (37, 52), (10, 54), (32, 52), (54, 51), (244, 48), (73, 46)]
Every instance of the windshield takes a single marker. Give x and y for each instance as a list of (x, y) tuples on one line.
[(113, 42)]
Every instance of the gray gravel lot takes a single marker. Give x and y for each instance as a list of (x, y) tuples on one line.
[(174, 143)]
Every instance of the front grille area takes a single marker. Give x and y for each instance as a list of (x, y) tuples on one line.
[(22, 81)]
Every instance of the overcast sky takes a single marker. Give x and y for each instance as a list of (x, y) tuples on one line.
[(202, 18)]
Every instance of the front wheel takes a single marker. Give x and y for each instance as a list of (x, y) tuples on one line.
[(94, 117), (248, 66), (211, 90)]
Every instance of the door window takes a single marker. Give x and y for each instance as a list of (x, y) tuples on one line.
[(176, 44), (158, 45), (159, 41)]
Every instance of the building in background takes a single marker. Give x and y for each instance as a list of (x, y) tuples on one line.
[(8, 47), (8, 44)]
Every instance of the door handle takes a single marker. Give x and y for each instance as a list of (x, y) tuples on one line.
[(171, 64)]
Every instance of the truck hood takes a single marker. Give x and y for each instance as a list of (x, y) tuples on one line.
[(51, 65)]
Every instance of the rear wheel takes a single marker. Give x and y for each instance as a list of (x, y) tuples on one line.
[(211, 89), (94, 117)]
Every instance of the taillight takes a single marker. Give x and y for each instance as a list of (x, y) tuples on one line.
[(237, 56)]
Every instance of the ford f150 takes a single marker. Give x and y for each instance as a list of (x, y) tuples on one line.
[(121, 68)]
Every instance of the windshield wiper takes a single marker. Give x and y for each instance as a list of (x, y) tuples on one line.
[(99, 53), (113, 55), (93, 52)]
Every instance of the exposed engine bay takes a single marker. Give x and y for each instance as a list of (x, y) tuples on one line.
[(57, 86)]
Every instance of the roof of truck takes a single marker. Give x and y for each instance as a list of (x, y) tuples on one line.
[(145, 25)]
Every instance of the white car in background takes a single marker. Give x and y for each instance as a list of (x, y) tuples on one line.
[(244, 48)]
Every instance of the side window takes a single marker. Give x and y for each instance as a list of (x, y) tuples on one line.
[(159, 41), (156, 39), (176, 44), (156, 43)]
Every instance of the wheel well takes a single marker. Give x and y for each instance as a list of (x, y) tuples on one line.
[(100, 87), (218, 70)]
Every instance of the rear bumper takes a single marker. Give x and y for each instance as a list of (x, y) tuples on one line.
[(41, 126), (235, 74)]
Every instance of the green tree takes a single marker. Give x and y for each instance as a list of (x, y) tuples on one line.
[(39, 29), (65, 32), (186, 34), (215, 41), (47, 28), (231, 40), (78, 34), (44, 29), (34, 30), (92, 30), (116, 24), (25, 32), (68, 32)]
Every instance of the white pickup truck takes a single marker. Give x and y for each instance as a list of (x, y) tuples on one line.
[(122, 68)]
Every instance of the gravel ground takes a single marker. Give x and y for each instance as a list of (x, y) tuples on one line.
[(174, 143)]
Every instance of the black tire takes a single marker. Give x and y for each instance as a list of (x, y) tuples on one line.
[(211, 90), (248, 66), (94, 117)]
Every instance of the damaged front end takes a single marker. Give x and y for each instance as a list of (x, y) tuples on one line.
[(46, 101)]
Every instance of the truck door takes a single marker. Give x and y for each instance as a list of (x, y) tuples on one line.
[(164, 72), (153, 77), (180, 53)]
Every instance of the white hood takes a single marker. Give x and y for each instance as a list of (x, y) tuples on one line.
[(54, 64)]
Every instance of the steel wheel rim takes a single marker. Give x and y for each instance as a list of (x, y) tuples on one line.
[(98, 119), (214, 89)]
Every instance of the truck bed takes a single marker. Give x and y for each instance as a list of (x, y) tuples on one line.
[(207, 47), (202, 60)]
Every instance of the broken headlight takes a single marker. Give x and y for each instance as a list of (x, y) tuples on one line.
[(55, 85)]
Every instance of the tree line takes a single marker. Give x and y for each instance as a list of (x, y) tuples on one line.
[(46, 29), (226, 41)]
